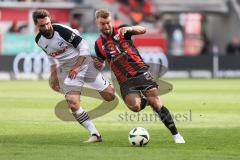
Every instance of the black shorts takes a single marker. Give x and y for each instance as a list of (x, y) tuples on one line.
[(138, 84)]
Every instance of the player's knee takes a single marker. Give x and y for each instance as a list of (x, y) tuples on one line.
[(111, 94), (108, 94), (135, 108), (134, 104), (72, 101), (109, 97)]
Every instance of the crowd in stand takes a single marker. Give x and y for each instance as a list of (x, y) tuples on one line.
[(76, 1), (140, 11)]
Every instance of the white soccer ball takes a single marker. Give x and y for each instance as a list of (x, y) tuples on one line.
[(138, 136)]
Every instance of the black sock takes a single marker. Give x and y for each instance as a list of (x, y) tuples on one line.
[(166, 118), (144, 103)]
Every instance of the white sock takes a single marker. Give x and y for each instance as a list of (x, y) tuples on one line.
[(79, 111), (82, 117), (88, 124)]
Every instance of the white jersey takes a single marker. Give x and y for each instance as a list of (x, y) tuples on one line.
[(64, 46)]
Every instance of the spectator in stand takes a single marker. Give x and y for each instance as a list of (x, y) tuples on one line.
[(233, 48), (137, 10), (136, 17), (117, 22), (75, 25), (147, 8), (207, 47), (14, 28)]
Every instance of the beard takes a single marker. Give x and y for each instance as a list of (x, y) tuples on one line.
[(106, 32), (47, 33)]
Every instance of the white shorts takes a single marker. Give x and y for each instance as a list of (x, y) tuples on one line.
[(88, 74)]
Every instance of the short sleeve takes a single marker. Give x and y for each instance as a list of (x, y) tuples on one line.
[(83, 48), (68, 34)]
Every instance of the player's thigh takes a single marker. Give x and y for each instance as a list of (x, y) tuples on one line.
[(72, 85), (133, 101), (99, 83)]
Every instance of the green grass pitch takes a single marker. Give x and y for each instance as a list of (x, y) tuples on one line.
[(207, 113)]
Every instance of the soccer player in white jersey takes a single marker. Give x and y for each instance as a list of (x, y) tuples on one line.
[(71, 67)]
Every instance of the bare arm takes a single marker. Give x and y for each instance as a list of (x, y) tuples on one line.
[(138, 30), (135, 30), (76, 68), (53, 81), (80, 61), (53, 68), (98, 63)]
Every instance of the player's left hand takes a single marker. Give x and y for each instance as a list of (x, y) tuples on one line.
[(124, 30), (73, 72)]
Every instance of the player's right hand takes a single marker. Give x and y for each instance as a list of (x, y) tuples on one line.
[(54, 82), (73, 72)]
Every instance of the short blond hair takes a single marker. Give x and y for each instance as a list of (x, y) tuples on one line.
[(102, 13)]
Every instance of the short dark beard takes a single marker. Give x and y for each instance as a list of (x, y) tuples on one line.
[(47, 34)]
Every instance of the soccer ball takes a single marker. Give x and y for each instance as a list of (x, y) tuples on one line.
[(138, 136)]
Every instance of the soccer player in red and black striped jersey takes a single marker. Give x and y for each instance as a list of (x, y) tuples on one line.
[(137, 86)]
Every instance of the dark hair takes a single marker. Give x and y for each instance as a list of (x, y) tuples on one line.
[(40, 14)]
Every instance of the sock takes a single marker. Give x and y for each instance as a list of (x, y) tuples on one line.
[(82, 117), (167, 120)]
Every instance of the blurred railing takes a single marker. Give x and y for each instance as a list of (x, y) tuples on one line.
[(36, 66)]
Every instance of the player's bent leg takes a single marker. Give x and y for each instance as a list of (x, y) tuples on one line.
[(133, 101), (108, 94), (73, 100), (164, 114), (153, 99), (104, 88)]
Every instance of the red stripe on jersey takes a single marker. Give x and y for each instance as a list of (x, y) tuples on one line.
[(114, 68), (130, 52), (129, 69), (118, 73)]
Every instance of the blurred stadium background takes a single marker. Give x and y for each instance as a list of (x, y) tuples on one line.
[(199, 38)]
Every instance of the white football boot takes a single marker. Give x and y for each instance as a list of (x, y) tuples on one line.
[(94, 138), (178, 139)]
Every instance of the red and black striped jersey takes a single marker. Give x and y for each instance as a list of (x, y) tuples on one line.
[(121, 54)]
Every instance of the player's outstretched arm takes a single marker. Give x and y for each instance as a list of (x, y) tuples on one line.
[(138, 30), (134, 30)]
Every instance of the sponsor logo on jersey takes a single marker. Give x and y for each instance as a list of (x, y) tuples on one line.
[(56, 53)]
